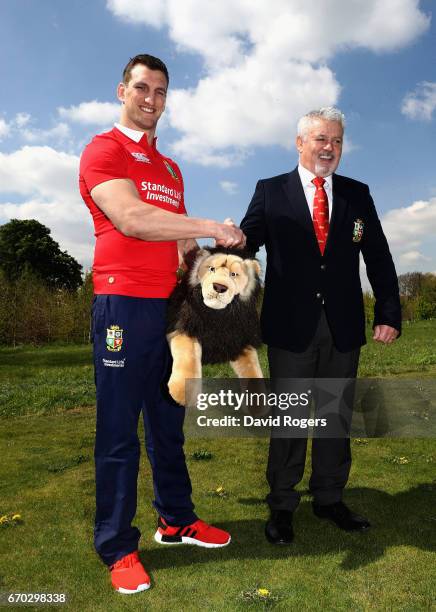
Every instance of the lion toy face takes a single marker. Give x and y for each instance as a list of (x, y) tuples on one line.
[(212, 317), (222, 277)]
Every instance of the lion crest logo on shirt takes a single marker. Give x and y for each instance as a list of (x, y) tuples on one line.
[(358, 230), (114, 338), (170, 170)]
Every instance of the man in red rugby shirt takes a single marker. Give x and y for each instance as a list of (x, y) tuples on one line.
[(135, 196)]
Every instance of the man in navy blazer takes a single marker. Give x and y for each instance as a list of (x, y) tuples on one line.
[(313, 315)]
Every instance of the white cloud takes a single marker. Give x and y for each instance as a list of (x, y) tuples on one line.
[(265, 63), (407, 225), (59, 134), (134, 11), (22, 119), (229, 187), (421, 103), (410, 232), (91, 113), (246, 106), (412, 257), (21, 127), (4, 129), (47, 181), (305, 30)]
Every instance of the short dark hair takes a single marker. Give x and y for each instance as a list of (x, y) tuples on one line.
[(154, 63)]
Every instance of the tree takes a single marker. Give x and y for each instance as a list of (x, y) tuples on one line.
[(27, 246), (82, 326), (410, 284), (418, 295), (427, 299)]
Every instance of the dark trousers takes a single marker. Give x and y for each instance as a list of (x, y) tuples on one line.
[(331, 457), (131, 370)]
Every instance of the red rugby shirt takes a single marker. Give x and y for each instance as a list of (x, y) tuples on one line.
[(123, 265)]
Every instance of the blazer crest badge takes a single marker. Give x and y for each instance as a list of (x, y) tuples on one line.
[(358, 230)]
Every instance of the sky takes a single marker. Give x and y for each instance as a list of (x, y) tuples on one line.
[(242, 72)]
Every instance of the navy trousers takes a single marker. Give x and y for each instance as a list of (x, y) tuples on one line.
[(132, 364), (331, 457)]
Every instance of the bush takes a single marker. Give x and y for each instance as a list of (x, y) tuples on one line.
[(32, 312), (425, 308)]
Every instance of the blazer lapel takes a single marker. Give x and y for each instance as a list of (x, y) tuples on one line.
[(340, 205), (297, 203)]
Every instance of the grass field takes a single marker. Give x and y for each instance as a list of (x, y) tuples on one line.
[(47, 422)]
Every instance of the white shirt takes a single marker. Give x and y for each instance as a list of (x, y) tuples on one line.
[(309, 188), (135, 135)]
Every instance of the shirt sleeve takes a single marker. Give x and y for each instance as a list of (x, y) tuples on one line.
[(380, 270), (182, 209), (103, 161)]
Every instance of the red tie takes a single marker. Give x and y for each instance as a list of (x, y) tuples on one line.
[(320, 213)]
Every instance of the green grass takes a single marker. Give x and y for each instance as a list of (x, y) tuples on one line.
[(46, 379), (47, 476), (413, 354), (51, 379)]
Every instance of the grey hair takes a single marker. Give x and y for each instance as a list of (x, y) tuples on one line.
[(330, 113)]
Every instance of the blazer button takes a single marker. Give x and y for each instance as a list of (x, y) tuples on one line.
[(319, 296), (323, 266)]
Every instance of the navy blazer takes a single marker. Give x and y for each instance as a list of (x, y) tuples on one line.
[(299, 280)]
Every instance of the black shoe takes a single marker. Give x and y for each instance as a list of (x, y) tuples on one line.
[(342, 516), (278, 529)]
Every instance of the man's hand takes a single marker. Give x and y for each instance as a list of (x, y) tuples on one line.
[(183, 246), (228, 235), (385, 334)]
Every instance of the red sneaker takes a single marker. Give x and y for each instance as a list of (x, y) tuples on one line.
[(198, 533), (128, 575)]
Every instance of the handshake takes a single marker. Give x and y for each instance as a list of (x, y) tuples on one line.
[(228, 235)]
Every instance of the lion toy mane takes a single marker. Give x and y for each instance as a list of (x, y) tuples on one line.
[(212, 316)]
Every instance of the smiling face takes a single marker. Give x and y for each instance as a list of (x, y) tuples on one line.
[(320, 147), (143, 99)]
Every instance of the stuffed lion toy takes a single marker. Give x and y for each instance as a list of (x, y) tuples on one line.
[(212, 316)]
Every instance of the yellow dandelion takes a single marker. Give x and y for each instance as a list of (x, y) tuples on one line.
[(220, 489), (263, 592), (3, 519), (16, 517)]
